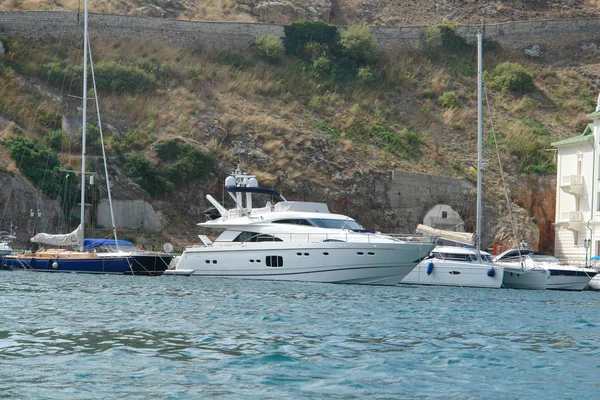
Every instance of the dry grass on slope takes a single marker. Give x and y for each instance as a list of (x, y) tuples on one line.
[(205, 10)]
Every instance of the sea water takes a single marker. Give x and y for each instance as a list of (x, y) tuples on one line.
[(70, 336)]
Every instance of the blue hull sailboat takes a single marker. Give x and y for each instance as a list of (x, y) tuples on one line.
[(91, 260)]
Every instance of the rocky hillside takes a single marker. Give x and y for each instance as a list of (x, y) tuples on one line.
[(339, 12)]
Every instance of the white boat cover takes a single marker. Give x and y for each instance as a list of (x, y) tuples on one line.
[(74, 238), (460, 237)]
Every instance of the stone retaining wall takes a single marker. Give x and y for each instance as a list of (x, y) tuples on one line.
[(57, 24)]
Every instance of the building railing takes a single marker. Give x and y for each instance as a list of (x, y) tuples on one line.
[(571, 216), (573, 180)]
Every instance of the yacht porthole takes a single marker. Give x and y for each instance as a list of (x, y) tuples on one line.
[(306, 254), (298, 254), (214, 261), (360, 253), (325, 253), (207, 261), (371, 253)]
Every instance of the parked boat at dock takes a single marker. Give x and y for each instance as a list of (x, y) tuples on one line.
[(559, 276), (456, 266), (296, 241)]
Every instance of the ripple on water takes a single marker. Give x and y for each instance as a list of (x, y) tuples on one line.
[(78, 336)]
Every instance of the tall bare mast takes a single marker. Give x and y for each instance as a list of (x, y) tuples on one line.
[(479, 138), (84, 118)]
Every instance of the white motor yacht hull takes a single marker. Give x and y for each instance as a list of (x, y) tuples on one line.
[(570, 279), (525, 278), (451, 273), (331, 262)]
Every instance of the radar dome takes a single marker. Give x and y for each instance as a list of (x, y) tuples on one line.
[(230, 181), (253, 182)]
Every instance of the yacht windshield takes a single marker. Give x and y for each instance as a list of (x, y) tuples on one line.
[(544, 258), (336, 223)]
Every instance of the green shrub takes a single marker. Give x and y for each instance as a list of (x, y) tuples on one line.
[(194, 73), (38, 163), (268, 47), (145, 174), (365, 75), (313, 50), (55, 139), (449, 100), (301, 32), (118, 78), (405, 143), (537, 128), (530, 152), (358, 43), (327, 129), (55, 72), (182, 162), (451, 41), (322, 65), (234, 59), (511, 77), (131, 141)]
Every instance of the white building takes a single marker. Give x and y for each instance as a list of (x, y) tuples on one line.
[(578, 193)]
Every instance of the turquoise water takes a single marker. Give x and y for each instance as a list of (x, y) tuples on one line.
[(68, 336)]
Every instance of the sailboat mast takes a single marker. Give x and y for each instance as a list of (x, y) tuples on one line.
[(479, 138), (84, 118)]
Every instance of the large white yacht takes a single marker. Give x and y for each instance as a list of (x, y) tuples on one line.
[(456, 266), (558, 276), (296, 241)]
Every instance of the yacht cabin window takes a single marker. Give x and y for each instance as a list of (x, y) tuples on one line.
[(293, 222), (256, 237)]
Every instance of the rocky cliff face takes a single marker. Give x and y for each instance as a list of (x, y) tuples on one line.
[(17, 200), (284, 12)]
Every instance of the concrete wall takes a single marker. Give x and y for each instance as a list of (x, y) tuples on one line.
[(412, 195), (129, 214), (56, 24)]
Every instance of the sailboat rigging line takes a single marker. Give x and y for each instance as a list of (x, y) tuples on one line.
[(508, 206), (112, 215)]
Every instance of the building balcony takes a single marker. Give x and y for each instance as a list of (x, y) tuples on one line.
[(572, 220), (573, 184)]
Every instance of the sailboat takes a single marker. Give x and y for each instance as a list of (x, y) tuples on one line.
[(101, 258), (454, 265)]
